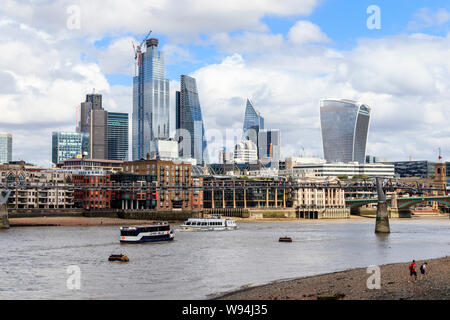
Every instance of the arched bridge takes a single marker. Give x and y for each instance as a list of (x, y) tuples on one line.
[(401, 203)]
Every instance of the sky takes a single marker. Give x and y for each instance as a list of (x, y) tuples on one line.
[(285, 55)]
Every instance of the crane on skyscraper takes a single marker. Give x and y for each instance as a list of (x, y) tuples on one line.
[(137, 52)]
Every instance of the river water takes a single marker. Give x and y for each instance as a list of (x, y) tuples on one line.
[(197, 265)]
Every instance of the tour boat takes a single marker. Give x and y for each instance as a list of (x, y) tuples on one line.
[(285, 239), (215, 223), (146, 233)]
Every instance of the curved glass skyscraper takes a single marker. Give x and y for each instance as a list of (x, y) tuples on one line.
[(189, 121), (150, 102), (253, 123), (345, 128)]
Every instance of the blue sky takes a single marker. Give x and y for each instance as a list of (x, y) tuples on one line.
[(344, 22)]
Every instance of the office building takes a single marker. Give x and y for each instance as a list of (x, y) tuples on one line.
[(245, 152), (345, 128), (189, 121), (117, 136), (67, 145), (337, 169), (5, 148), (253, 123), (93, 120), (269, 144), (150, 102)]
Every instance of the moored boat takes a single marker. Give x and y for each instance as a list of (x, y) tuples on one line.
[(285, 239), (119, 257), (146, 233), (215, 223)]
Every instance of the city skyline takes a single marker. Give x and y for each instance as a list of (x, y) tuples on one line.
[(284, 58)]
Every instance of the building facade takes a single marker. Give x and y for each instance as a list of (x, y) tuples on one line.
[(117, 136), (350, 170), (93, 120), (95, 189), (150, 102), (245, 152), (345, 128), (163, 185), (91, 164), (269, 144), (189, 121), (58, 196), (253, 123), (5, 148), (422, 169), (67, 145)]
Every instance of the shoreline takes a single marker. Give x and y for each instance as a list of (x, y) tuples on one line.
[(73, 222), (62, 221), (351, 284)]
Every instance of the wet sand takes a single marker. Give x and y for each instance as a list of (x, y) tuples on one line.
[(72, 221), (352, 285)]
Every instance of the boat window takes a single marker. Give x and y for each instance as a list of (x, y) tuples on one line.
[(204, 223), (188, 223)]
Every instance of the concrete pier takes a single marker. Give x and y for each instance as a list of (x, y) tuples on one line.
[(382, 221), (4, 222)]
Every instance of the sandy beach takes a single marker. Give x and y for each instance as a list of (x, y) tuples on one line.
[(352, 285), (72, 221)]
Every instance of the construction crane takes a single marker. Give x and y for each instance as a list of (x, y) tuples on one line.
[(138, 52)]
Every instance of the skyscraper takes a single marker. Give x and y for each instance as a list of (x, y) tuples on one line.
[(345, 127), (253, 122), (69, 145), (189, 121), (93, 119), (117, 136), (5, 148), (150, 102), (269, 143)]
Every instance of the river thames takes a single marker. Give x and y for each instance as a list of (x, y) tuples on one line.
[(200, 265)]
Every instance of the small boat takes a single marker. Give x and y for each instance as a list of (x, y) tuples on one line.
[(119, 257), (160, 231), (215, 223), (285, 239)]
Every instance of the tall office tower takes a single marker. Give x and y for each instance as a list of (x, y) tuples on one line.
[(189, 122), (69, 145), (253, 122), (5, 148), (93, 119), (150, 102), (269, 144), (345, 128), (117, 136)]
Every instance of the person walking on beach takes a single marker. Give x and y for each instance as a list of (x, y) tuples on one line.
[(412, 270), (423, 268)]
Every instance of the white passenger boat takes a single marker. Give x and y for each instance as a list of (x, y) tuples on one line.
[(215, 223), (146, 233)]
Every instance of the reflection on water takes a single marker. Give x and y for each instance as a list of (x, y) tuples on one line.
[(34, 260)]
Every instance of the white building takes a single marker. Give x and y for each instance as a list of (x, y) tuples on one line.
[(245, 152), (167, 149), (342, 169)]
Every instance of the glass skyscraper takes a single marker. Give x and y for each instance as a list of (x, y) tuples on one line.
[(117, 136), (253, 122), (150, 102), (189, 121), (345, 128), (5, 148), (69, 145), (269, 144)]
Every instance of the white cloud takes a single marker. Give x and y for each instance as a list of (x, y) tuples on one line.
[(172, 17), (304, 32), (426, 18)]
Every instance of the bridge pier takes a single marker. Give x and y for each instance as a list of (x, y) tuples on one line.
[(382, 221), (4, 222)]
